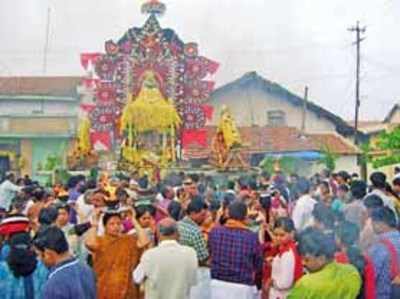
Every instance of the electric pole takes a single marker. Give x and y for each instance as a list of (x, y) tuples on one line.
[(304, 112), (359, 31)]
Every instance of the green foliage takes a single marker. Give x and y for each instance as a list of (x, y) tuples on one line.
[(390, 143), (328, 158), (52, 162)]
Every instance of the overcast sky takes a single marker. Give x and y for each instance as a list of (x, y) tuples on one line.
[(292, 42)]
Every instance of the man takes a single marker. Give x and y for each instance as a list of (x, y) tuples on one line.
[(378, 181), (8, 190), (385, 251), (169, 270), (190, 235), (68, 279), (326, 278), (302, 213), (235, 256), (166, 196), (355, 211)]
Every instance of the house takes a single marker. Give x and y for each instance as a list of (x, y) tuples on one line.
[(270, 119), (38, 118), (254, 100)]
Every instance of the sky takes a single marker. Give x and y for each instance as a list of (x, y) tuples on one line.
[(291, 42)]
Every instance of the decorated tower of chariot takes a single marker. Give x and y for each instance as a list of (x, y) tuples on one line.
[(149, 96)]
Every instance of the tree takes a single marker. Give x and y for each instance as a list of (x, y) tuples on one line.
[(389, 144), (329, 158)]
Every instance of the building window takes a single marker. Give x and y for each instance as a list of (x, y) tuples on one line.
[(276, 118)]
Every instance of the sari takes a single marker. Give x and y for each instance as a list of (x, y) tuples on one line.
[(113, 263)]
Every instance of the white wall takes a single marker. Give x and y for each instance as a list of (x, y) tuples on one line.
[(250, 107), (12, 107)]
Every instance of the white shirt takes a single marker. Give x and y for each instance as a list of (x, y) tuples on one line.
[(169, 271), (282, 275), (302, 212), (8, 190)]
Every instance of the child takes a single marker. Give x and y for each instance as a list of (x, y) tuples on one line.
[(287, 266)]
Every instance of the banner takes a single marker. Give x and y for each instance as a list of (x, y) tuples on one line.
[(192, 136)]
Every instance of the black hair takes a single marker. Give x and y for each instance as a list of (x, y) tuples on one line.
[(21, 258), (315, 243), (358, 189), (324, 215), (396, 182), (175, 210), (231, 185), (303, 186), (214, 205), (228, 199), (285, 223), (348, 234), (72, 182), (196, 205), (384, 215), (51, 238), (143, 209), (108, 215), (373, 201), (65, 207), (326, 185), (48, 215), (164, 190), (238, 210), (343, 187), (345, 175), (378, 180)]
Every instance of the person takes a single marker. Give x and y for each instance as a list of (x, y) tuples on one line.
[(168, 270), (145, 217), (347, 235), (378, 181), (68, 278), (385, 253), (302, 213), (190, 234), (355, 211), (22, 276), (325, 195), (287, 266), (368, 236), (326, 279), (116, 252), (342, 197), (8, 190), (167, 195), (235, 256), (324, 219)]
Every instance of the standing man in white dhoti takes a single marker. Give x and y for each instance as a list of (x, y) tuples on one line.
[(235, 257)]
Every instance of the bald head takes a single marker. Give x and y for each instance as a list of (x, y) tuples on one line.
[(168, 229)]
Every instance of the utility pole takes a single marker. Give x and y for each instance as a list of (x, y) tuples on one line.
[(304, 114), (358, 30), (46, 44)]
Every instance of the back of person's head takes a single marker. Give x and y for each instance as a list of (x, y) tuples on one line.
[(324, 215), (348, 234), (315, 243), (48, 216), (196, 205), (228, 199), (51, 238), (214, 205), (167, 227), (343, 187), (238, 210), (396, 181), (344, 175), (358, 189), (21, 258), (373, 201), (231, 185), (384, 215), (378, 180), (175, 210), (303, 186)]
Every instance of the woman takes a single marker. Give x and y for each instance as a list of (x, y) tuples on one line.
[(287, 266), (347, 236), (115, 256), (22, 276), (145, 217)]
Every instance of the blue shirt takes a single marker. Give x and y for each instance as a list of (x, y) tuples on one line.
[(70, 280), (12, 287), (381, 259)]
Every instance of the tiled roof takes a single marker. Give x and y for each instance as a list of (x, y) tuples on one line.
[(45, 86), (278, 140)]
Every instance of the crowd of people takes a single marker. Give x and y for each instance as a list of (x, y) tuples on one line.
[(264, 236)]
